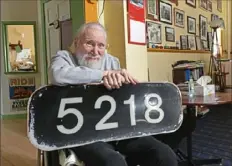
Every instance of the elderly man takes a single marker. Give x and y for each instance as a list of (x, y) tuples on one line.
[(87, 62)]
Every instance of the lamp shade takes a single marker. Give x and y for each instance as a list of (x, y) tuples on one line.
[(217, 23)]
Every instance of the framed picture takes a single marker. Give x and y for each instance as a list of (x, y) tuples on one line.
[(219, 5), (179, 18), (191, 3), (183, 42), (203, 4), (204, 45), (191, 22), (198, 43), (154, 32), (165, 12), (153, 10), (170, 34), (214, 17), (203, 27), (209, 5), (192, 42)]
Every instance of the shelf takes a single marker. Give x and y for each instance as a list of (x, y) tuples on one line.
[(177, 51)]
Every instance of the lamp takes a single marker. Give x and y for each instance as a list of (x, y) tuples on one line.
[(215, 68)]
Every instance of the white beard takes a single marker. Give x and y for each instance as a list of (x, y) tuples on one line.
[(90, 63)]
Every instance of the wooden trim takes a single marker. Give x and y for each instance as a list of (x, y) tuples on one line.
[(177, 51)]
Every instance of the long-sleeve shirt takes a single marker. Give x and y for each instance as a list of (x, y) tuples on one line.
[(64, 69)]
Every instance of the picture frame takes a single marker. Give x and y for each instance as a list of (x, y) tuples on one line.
[(219, 5), (191, 42), (165, 12), (154, 32), (179, 18), (183, 42), (214, 17), (203, 27), (204, 44), (191, 3), (209, 5), (203, 4), (191, 23), (198, 43), (20, 47), (170, 34), (152, 9)]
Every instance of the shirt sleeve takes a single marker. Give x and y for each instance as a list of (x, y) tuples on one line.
[(61, 72)]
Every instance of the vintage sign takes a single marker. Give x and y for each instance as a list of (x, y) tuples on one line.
[(20, 89), (61, 117)]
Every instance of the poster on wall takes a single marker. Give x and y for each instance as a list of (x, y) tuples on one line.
[(136, 8), (20, 90), (18, 105)]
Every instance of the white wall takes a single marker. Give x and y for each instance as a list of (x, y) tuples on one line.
[(18, 10)]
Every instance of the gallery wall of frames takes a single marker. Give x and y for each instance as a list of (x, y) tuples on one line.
[(181, 24)]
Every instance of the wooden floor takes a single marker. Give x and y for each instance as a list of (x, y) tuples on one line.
[(16, 149)]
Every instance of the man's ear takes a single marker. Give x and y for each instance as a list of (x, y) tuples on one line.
[(107, 46)]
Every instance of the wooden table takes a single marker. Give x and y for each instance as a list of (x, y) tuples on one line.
[(191, 102)]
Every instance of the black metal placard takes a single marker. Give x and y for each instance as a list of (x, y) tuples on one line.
[(70, 116)]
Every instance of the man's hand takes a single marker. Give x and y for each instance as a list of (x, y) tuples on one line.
[(115, 78), (128, 78)]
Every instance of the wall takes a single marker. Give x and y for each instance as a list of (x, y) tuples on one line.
[(160, 62), (16, 10), (132, 57)]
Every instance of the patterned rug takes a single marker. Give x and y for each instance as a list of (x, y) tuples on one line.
[(213, 135)]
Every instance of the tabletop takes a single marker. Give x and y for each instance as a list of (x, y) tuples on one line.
[(214, 99)]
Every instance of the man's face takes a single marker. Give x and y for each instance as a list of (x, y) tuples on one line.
[(91, 48)]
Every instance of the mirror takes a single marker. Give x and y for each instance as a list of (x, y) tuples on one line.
[(20, 47)]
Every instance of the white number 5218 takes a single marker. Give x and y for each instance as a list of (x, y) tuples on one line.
[(102, 124)]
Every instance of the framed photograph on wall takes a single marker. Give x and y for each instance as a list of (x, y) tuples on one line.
[(219, 5), (170, 34), (214, 17), (165, 12), (191, 22), (203, 27), (191, 42), (153, 9), (209, 5), (198, 43), (183, 42), (154, 32), (191, 3), (203, 4), (179, 18), (205, 45)]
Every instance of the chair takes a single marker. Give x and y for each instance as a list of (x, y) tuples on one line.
[(49, 112)]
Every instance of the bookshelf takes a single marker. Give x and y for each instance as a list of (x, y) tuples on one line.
[(181, 73)]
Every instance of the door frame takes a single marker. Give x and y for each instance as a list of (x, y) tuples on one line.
[(77, 14)]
